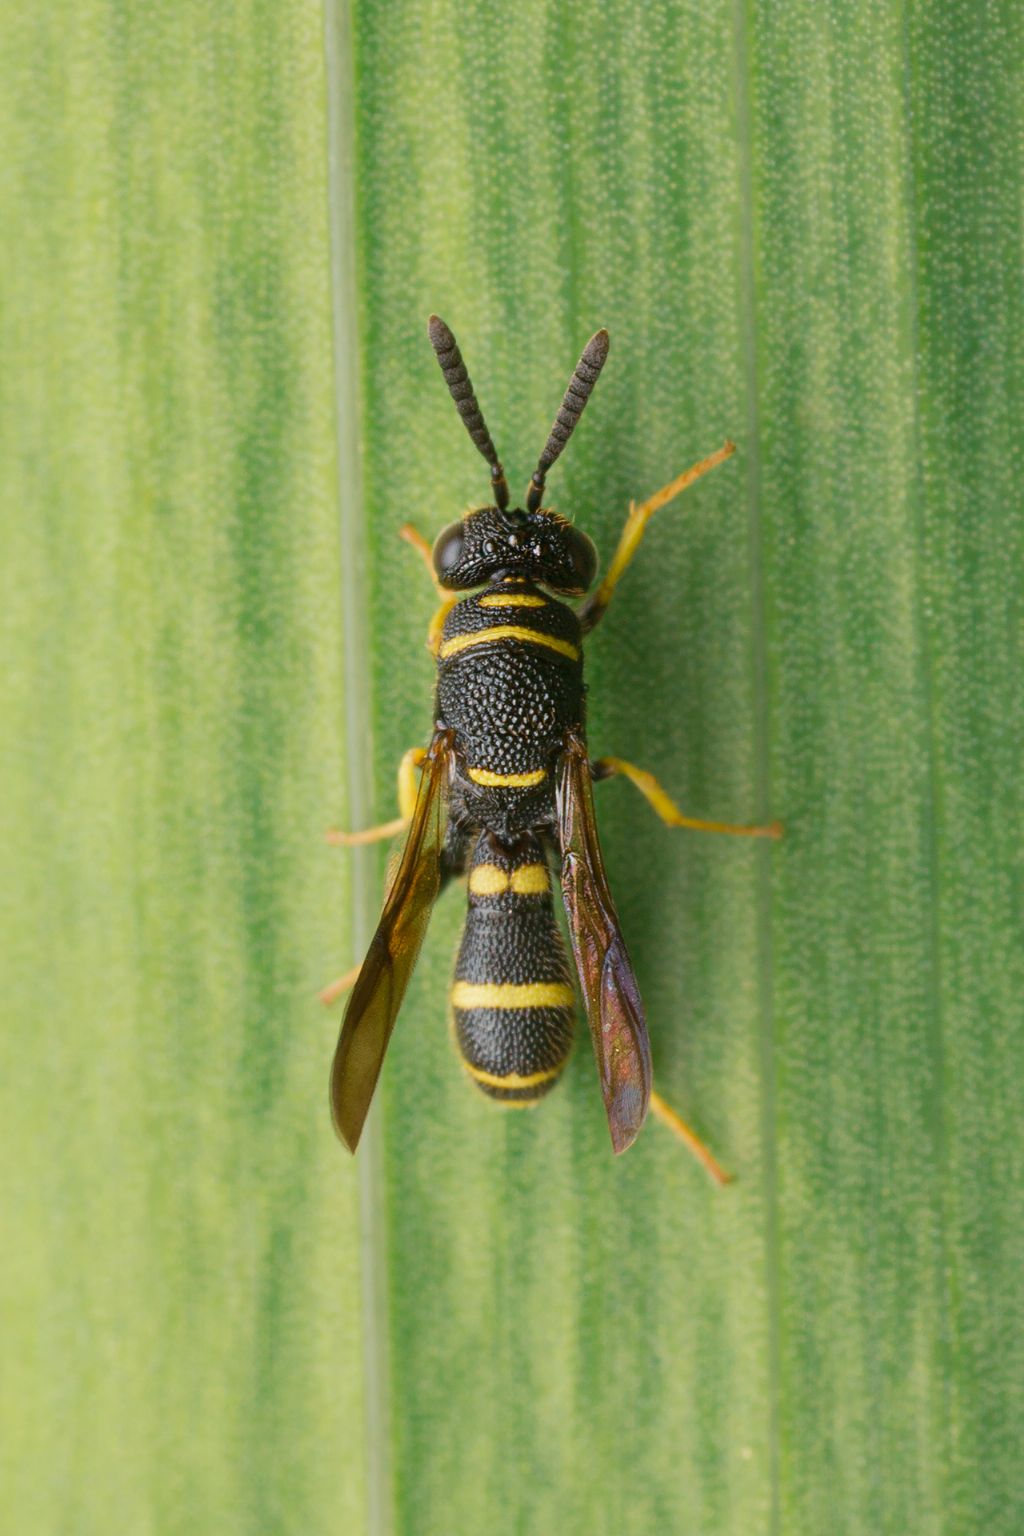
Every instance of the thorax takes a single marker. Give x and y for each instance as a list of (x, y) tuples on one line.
[(515, 612), (510, 684)]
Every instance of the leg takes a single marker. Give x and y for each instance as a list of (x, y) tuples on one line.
[(447, 599), (334, 989), (377, 834), (656, 797), (412, 536), (647, 784), (407, 790), (591, 612), (678, 1126)]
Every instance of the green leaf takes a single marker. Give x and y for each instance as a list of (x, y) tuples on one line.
[(801, 225), (802, 229), (180, 1282)]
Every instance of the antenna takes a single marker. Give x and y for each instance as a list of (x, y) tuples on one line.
[(461, 390), (585, 376)]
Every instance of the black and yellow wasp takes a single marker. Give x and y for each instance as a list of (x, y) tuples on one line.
[(504, 792)]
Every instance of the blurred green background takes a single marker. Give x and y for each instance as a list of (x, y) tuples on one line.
[(223, 229)]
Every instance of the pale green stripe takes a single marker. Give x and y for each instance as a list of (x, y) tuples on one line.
[(889, 347), (180, 1277), (373, 1236)]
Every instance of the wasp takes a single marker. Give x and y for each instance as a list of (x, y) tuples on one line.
[(505, 796)]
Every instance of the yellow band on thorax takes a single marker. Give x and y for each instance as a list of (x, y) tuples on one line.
[(459, 643), (507, 780)]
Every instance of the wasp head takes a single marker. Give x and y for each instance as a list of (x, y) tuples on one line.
[(493, 544), (499, 542)]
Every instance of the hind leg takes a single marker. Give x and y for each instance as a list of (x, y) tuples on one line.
[(658, 800), (663, 1111)]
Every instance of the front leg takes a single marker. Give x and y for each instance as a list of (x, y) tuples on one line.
[(447, 599), (592, 610)]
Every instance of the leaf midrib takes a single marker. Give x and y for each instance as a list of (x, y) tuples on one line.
[(340, 90)]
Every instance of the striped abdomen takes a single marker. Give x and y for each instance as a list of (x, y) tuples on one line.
[(512, 999)]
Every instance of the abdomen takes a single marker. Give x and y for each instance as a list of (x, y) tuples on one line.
[(512, 998)]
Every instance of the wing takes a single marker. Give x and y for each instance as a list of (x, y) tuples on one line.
[(377, 995), (614, 1010)]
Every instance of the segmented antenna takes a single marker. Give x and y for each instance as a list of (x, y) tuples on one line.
[(461, 390), (584, 378)]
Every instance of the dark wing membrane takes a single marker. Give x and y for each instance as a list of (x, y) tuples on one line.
[(377, 995), (614, 1010)]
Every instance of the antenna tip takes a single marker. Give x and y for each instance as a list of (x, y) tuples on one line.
[(441, 338), (596, 349)]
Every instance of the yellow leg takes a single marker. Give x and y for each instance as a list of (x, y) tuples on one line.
[(592, 611), (408, 783), (334, 990), (412, 536), (407, 790), (436, 624), (447, 599), (678, 1126), (671, 815), (379, 834)]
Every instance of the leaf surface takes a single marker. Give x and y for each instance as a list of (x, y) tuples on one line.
[(226, 229)]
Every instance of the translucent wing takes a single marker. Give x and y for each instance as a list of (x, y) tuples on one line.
[(377, 995), (614, 1010)]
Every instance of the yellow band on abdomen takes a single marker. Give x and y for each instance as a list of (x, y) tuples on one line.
[(509, 632), (530, 880), (507, 994), (488, 880), (512, 1079), (507, 780), (527, 880)]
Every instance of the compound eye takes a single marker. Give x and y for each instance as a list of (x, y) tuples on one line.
[(448, 549), (582, 558)]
